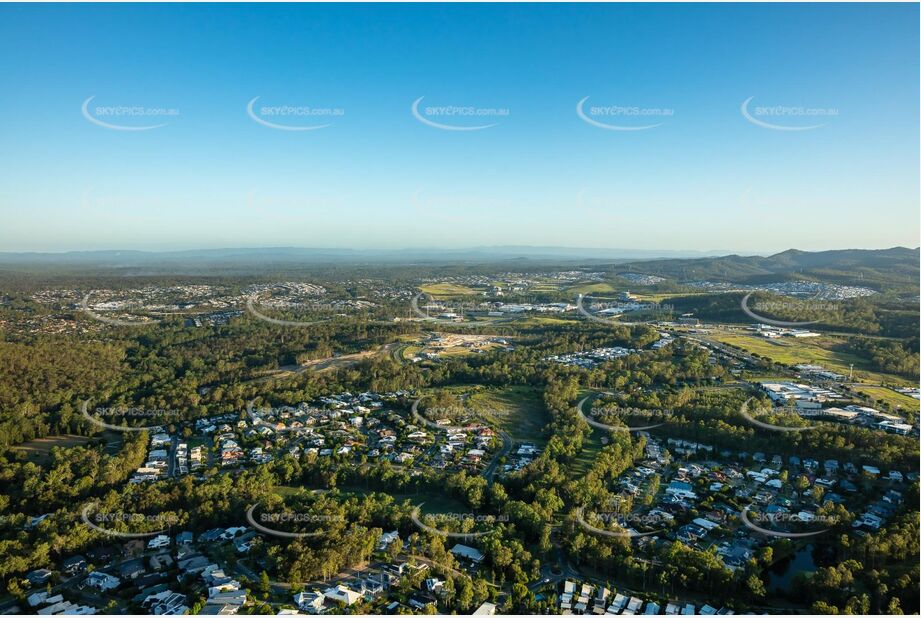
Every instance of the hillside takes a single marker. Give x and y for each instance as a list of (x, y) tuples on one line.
[(897, 267)]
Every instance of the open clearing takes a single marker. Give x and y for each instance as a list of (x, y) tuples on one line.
[(38, 451), (447, 289), (591, 288), (330, 363), (889, 396), (517, 410), (450, 344), (793, 351)]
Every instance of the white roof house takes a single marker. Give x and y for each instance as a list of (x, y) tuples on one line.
[(468, 553), (342, 594)]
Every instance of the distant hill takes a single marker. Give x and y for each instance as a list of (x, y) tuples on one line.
[(314, 255), (865, 267), (258, 260), (891, 268)]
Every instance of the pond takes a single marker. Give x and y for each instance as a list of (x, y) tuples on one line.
[(781, 573)]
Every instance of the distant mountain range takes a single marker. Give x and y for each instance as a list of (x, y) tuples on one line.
[(118, 258), (871, 268), (861, 267)]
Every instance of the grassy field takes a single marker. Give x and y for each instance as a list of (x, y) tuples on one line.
[(767, 378), (591, 288), (519, 410), (447, 289), (814, 350), (38, 451), (409, 351), (544, 321), (890, 397), (581, 464), (663, 298)]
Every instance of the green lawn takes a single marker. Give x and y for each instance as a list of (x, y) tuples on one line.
[(591, 288), (38, 451), (519, 410), (665, 297), (543, 321), (814, 350), (890, 397), (581, 464), (447, 289)]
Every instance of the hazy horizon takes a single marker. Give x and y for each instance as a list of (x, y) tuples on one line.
[(491, 252)]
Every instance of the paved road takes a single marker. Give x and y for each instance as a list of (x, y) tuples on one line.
[(171, 467), (490, 470)]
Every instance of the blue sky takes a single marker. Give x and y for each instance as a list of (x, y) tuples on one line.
[(704, 178)]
